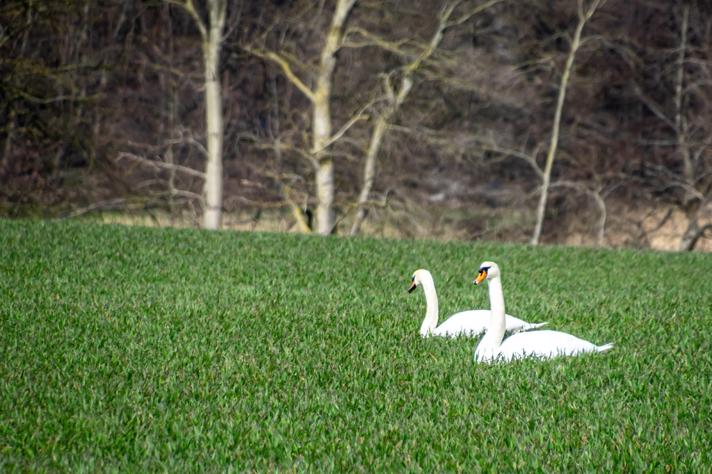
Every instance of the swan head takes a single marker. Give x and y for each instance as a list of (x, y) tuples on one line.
[(419, 276), (488, 271)]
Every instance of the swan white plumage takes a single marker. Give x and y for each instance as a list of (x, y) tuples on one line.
[(543, 344), (465, 323)]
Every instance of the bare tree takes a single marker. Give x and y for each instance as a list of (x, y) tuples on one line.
[(395, 96), (320, 99), (306, 121), (584, 15), (687, 182), (695, 200), (12, 112), (48, 94), (211, 33)]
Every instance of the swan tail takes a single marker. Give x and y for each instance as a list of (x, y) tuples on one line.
[(530, 326), (605, 347)]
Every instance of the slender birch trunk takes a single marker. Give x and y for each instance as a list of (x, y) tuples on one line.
[(211, 36), (213, 186), (374, 147), (369, 172), (321, 123), (321, 119), (583, 17)]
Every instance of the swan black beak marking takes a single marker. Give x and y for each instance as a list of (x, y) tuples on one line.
[(480, 277), (412, 287)]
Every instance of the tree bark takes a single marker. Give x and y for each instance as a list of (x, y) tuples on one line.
[(556, 125), (321, 119), (693, 234), (213, 185), (690, 202)]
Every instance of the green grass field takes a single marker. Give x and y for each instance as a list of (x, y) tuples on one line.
[(139, 349)]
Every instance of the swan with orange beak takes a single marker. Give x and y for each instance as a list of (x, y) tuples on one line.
[(543, 344)]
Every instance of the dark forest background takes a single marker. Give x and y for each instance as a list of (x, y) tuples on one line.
[(102, 113)]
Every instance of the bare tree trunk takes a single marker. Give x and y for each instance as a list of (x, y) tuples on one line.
[(7, 148), (374, 147), (211, 35), (680, 125), (690, 203), (602, 216), (583, 17), (12, 114), (321, 119), (321, 122), (213, 186), (168, 83), (369, 173), (693, 234)]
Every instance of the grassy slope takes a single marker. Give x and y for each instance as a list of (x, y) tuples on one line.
[(140, 349)]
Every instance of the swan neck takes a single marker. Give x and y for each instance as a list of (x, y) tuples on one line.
[(497, 319), (489, 347), (496, 296), (431, 312)]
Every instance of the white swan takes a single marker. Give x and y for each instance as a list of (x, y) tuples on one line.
[(539, 344), (465, 323)]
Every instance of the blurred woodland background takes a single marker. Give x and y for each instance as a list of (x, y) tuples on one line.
[(554, 121)]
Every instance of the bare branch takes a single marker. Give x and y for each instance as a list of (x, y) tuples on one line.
[(190, 140), (592, 7), (478, 9), (371, 39), (161, 164), (529, 158), (188, 6), (286, 69), (278, 146), (126, 205), (596, 196), (52, 100), (357, 117), (186, 194), (297, 211), (109, 204)]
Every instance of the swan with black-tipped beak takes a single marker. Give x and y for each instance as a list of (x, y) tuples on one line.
[(543, 344), (465, 323)]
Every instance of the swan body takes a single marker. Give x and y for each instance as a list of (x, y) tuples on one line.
[(473, 323), (469, 323), (544, 344)]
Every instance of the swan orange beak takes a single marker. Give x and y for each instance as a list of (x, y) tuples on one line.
[(412, 287), (480, 277)]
